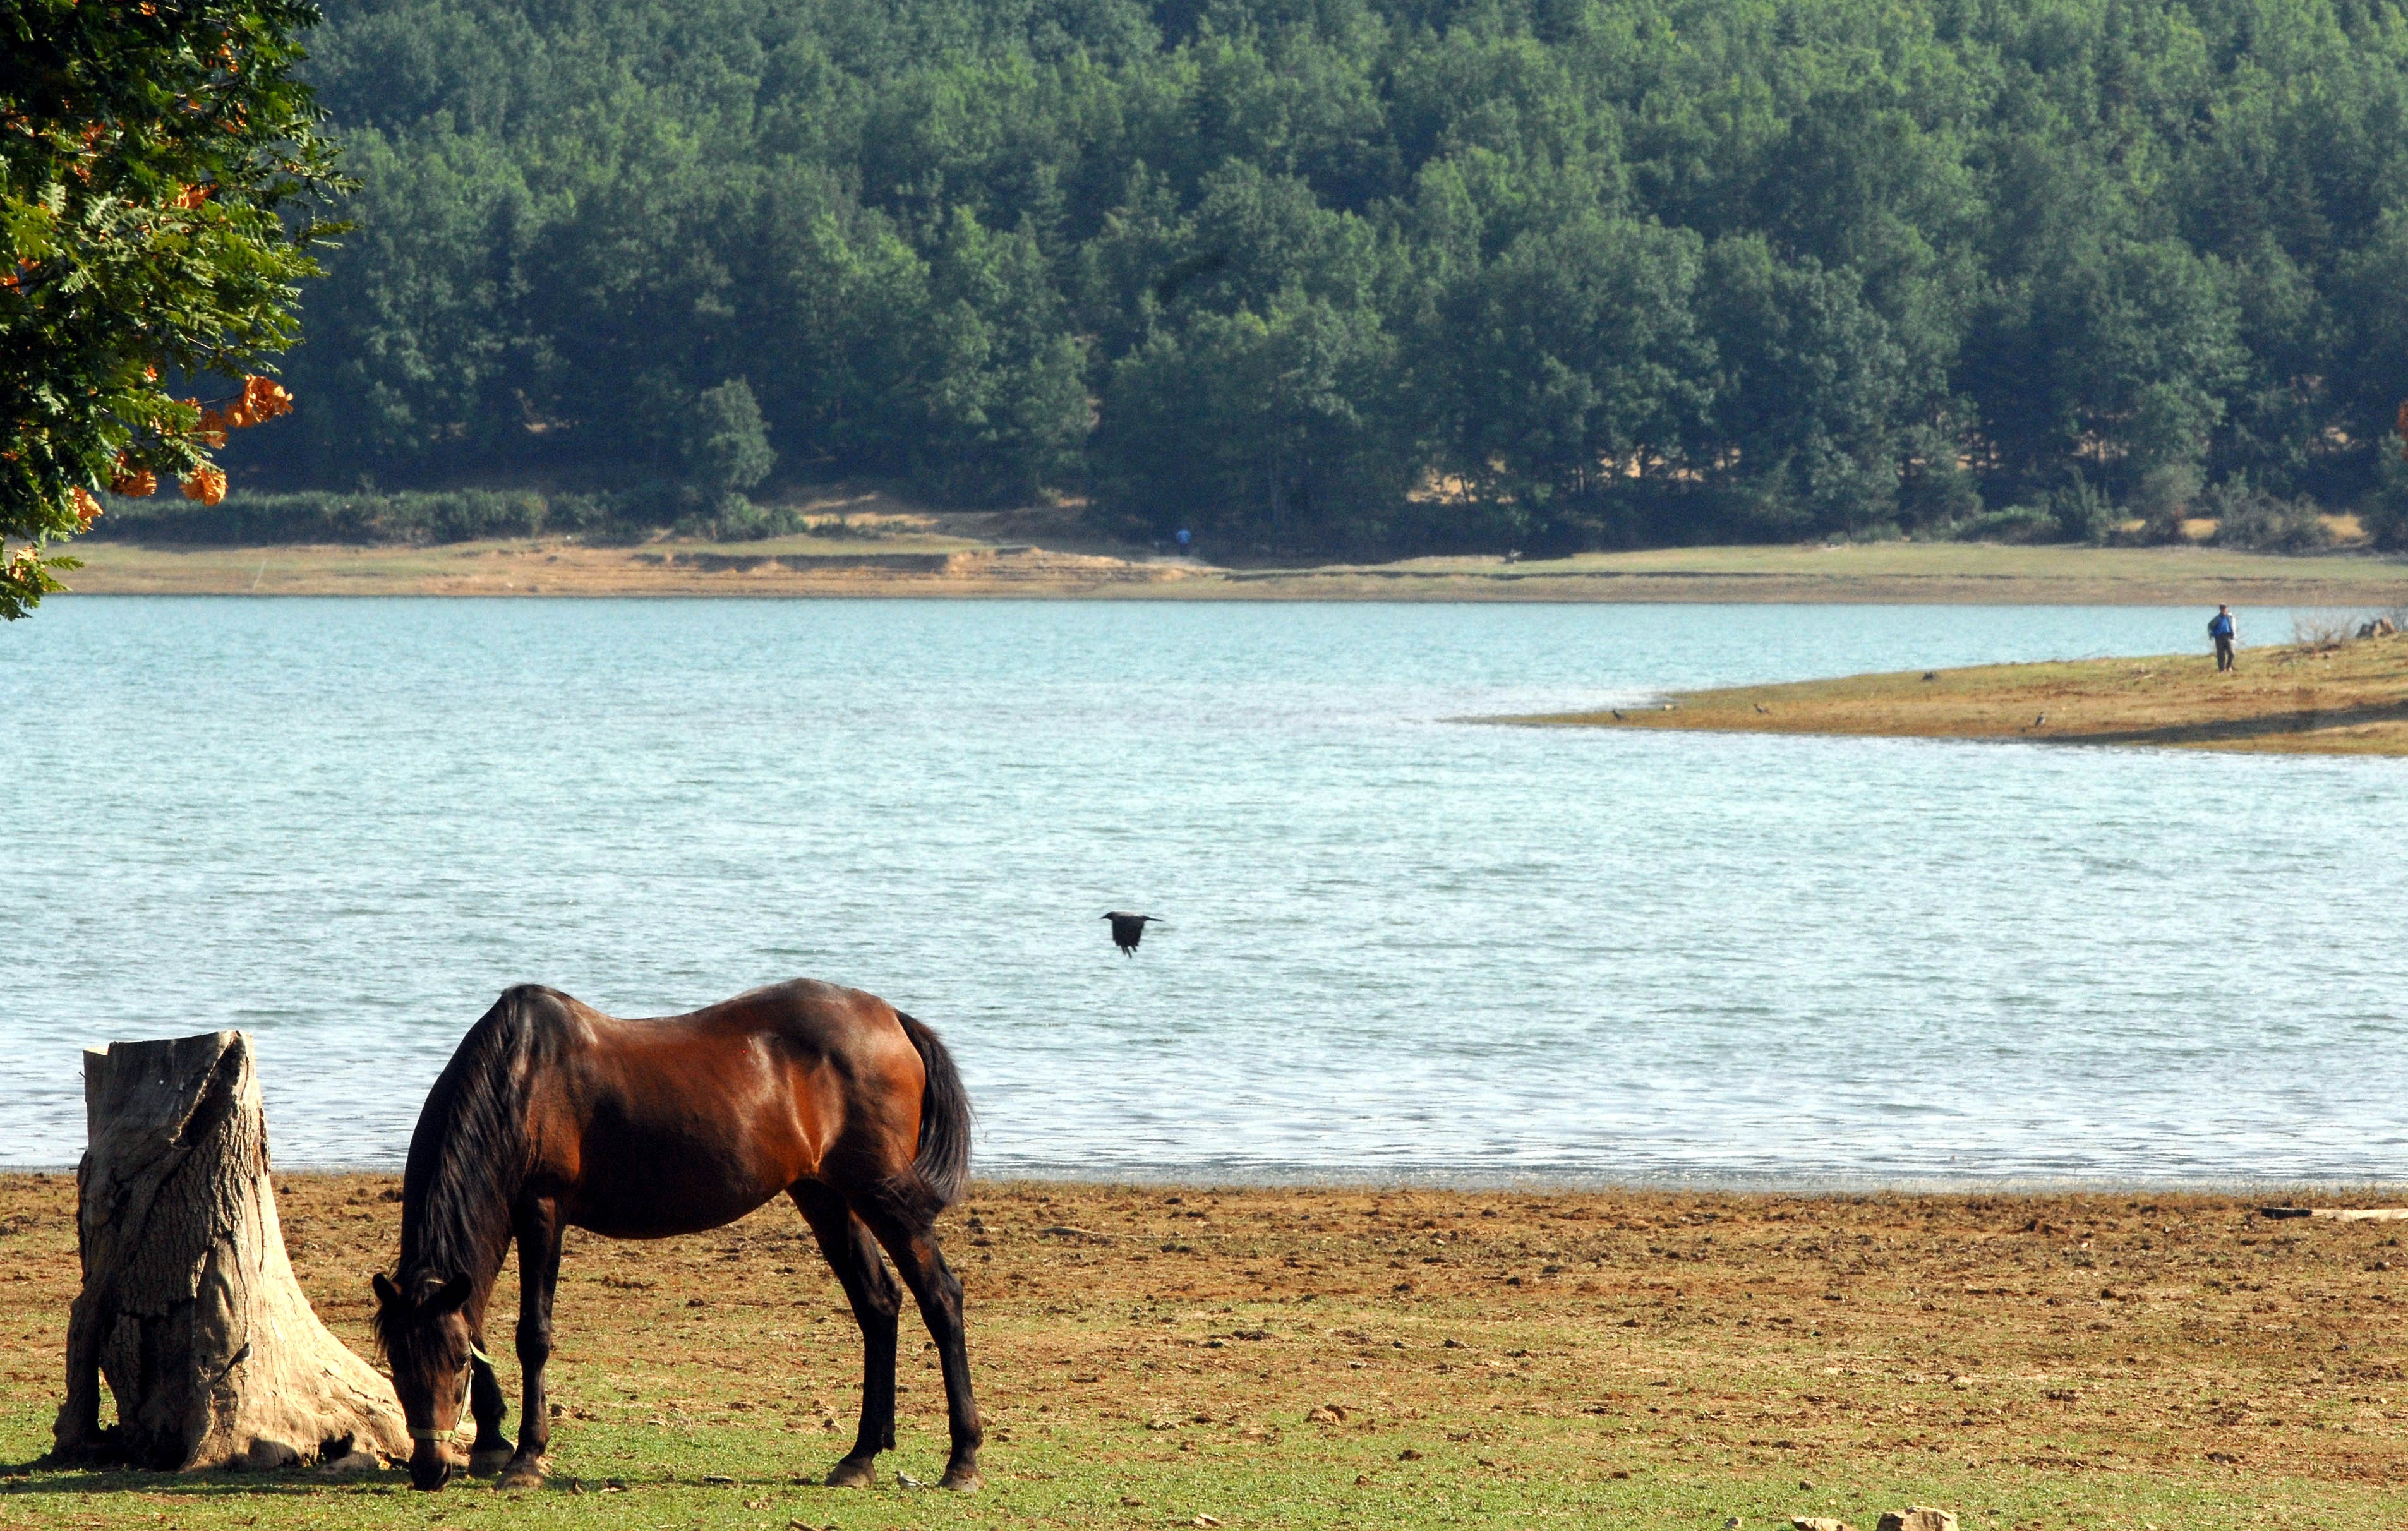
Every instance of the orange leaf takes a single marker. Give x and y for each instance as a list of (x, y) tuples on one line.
[(262, 398), (206, 483), (86, 507)]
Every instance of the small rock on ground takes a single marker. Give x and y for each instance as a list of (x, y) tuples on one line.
[(266, 1456), (1918, 1518), (1817, 1523)]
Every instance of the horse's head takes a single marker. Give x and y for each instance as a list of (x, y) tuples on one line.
[(427, 1340)]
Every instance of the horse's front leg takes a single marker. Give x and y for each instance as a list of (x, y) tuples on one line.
[(539, 1234), (491, 1450)]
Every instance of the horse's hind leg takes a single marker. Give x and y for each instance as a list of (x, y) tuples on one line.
[(876, 1299), (909, 1231)]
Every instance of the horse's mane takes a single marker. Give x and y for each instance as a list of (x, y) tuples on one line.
[(469, 1154)]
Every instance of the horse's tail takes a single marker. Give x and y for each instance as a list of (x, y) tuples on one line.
[(943, 1161)]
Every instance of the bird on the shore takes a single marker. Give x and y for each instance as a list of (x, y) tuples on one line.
[(1761, 707), (2042, 719), (1617, 713), (1932, 675), (1129, 929)]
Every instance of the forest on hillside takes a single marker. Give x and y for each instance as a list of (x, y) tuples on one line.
[(1359, 275)]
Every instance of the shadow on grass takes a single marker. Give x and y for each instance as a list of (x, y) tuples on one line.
[(2232, 729), (42, 1476)]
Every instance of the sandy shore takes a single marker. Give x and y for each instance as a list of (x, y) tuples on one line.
[(934, 561), (2343, 698), (1151, 1354)]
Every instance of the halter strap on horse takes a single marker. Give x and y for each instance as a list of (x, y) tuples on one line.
[(476, 1352)]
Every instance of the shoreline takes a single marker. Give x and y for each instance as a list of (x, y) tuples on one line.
[(2271, 1190), (2337, 698), (911, 564)]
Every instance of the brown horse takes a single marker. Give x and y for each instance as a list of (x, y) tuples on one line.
[(552, 1115)]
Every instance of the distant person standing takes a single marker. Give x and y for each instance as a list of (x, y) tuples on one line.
[(1184, 541), (2219, 627)]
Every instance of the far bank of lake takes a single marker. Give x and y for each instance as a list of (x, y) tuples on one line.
[(934, 561)]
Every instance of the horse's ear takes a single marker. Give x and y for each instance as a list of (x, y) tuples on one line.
[(451, 1295), (387, 1295)]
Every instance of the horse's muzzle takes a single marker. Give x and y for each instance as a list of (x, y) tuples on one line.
[(429, 1469)]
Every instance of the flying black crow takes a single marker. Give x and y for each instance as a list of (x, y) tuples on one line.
[(1128, 929)]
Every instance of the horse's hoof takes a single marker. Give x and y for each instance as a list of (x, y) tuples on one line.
[(524, 1472), (485, 1461), (962, 1480), (854, 1472)]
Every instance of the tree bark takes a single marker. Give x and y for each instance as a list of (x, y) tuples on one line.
[(189, 1307)]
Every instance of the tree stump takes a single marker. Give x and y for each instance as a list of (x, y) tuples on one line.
[(189, 1305)]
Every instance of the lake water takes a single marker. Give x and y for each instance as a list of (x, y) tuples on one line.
[(1396, 946)]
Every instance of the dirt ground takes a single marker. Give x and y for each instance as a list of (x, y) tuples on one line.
[(2319, 698), (1355, 1357)]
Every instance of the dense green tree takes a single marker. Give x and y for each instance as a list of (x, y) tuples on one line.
[(1276, 430), (726, 447), (1574, 371), (1813, 395)]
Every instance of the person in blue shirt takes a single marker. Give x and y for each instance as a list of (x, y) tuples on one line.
[(2219, 627)]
